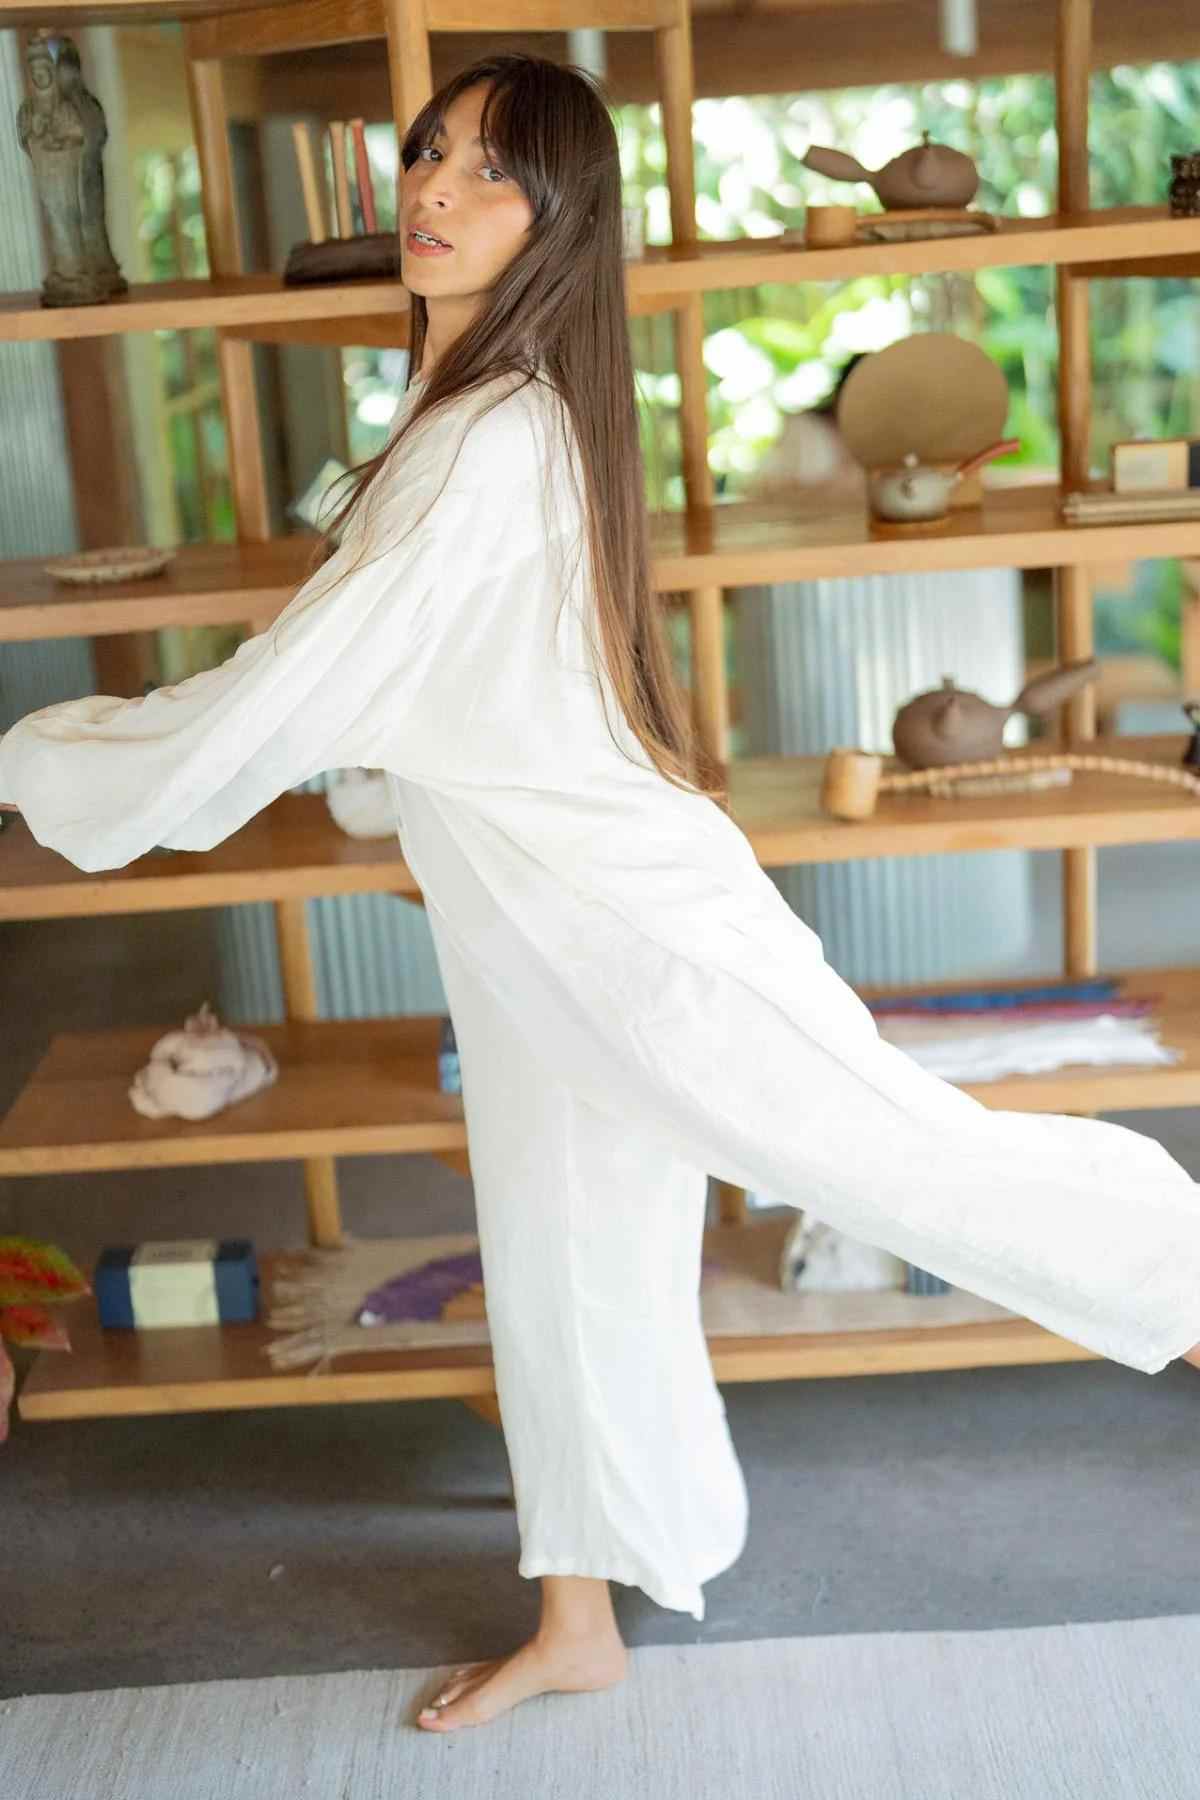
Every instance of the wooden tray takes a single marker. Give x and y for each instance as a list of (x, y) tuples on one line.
[(370, 256), (923, 222)]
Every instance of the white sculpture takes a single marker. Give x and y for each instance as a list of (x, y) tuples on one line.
[(195, 1072)]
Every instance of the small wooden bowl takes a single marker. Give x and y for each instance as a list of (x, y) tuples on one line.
[(127, 562)]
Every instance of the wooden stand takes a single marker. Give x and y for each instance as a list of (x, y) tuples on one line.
[(372, 256), (902, 225)]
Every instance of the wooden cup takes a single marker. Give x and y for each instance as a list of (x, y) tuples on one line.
[(825, 226)]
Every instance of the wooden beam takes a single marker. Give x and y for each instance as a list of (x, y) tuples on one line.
[(801, 49), (108, 505), (1075, 639), (316, 24), (1149, 268)]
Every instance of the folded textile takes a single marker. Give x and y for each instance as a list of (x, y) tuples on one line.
[(1102, 987), (1066, 1009), (974, 1049), (195, 1072)]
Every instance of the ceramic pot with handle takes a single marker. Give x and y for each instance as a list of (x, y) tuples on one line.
[(950, 724), (914, 490), (927, 175)]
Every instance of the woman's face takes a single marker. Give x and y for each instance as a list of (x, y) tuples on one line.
[(459, 192)]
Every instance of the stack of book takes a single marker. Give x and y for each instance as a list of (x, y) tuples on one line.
[(1104, 507), (986, 1035)]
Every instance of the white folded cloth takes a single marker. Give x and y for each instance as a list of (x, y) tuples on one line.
[(975, 1049)]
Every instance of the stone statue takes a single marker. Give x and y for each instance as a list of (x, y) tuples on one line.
[(62, 130)]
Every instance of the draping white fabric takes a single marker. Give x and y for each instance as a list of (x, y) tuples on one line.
[(635, 1003)]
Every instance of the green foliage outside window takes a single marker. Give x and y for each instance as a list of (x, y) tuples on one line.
[(777, 348)]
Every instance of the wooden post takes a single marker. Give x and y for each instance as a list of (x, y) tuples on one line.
[(1189, 630), (410, 70), (673, 61), (1073, 587), (248, 480), (300, 991), (710, 685), (411, 76), (104, 482)]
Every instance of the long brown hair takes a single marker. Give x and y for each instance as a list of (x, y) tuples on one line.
[(559, 306)]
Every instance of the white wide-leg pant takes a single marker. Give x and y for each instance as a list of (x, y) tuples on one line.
[(590, 1239), (606, 1072)]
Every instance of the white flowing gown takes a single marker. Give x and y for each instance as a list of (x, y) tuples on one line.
[(636, 1006)]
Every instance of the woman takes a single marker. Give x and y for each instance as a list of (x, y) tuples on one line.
[(635, 1004)]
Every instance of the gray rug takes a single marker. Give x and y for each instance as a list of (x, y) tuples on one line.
[(1060, 1712)]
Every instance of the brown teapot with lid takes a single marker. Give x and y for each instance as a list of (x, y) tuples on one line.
[(951, 725), (926, 175)]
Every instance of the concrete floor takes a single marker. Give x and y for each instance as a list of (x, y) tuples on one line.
[(204, 1546)]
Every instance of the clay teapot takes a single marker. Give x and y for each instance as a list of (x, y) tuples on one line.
[(916, 490), (951, 725), (926, 175)]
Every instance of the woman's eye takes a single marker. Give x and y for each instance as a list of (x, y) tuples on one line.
[(490, 167)]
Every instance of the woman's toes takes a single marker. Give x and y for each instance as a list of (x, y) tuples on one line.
[(453, 1713), (451, 1689)]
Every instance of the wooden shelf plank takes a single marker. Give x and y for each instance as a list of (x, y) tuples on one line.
[(347, 1087), (366, 1087), (205, 1368), (1100, 1087), (733, 544), (292, 849), (388, 331), (75, 13), (776, 801), (740, 543), (184, 305), (663, 277), (1111, 235), (204, 584)]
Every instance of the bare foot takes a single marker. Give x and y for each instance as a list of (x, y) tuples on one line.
[(479, 1691), (1193, 1356)]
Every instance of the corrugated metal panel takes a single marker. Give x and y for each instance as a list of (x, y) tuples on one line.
[(374, 958), (37, 514), (373, 953), (823, 663), (826, 663)]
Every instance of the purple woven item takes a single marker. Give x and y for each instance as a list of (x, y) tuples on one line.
[(423, 1292)]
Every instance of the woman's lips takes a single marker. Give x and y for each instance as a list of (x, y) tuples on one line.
[(420, 248)]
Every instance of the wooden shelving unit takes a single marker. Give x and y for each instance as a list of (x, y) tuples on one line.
[(775, 799), (728, 544), (355, 1088), (293, 850), (825, 1336), (1124, 240), (347, 1087), (205, 584), (243, 300)]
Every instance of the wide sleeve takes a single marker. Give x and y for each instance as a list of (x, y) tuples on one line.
[(328, 685)]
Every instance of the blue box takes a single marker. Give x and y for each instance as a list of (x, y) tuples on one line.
[(169, 1282)]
